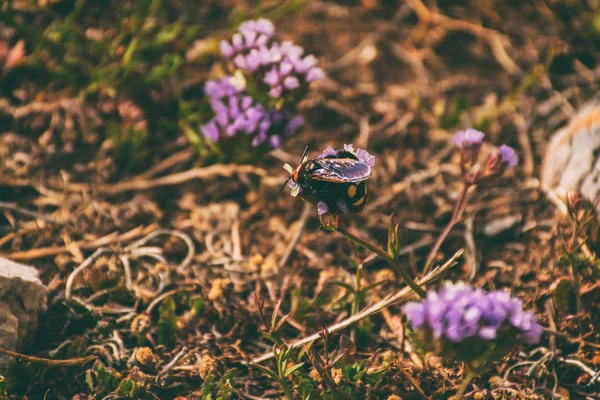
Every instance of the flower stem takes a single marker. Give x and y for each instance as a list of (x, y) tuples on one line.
[(286, 389), (383, 254), (465, 384), (459, 208)]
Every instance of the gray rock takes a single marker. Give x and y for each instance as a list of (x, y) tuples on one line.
[(22, 299), (572, 158)]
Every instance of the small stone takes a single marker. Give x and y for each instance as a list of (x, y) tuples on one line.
[(22, 298), (572, 157)]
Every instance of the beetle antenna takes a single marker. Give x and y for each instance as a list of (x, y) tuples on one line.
[(304, 154), (286, 182), (289, 168)]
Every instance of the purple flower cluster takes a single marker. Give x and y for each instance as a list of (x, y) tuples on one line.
[(460, 312), (470, 142), (283, 67), (237, 113)]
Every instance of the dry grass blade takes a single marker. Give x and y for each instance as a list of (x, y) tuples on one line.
[(109, 239), (217, 170), (49, 362)]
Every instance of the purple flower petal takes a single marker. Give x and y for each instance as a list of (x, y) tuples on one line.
[(259, 139), (416, 314), (240, 61), (271, 77), (252, 61), (285, 68), (488, 332), (226, 50), (210, 131), (329, 151), (468, 137), (237, 41), (365, 157), (261, 25), (322, 208), (294, 125), (314, 74), (291, 82), (275, 92), (246, 102), (275, 141), (249, 37), (508, 155)]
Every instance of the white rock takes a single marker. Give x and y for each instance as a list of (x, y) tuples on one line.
[(22, 298), (572, 158)]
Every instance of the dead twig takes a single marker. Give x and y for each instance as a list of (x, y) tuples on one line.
[(49, 362), (174, 159), (15, 208), (18, 112), (109, 239), (171, 364), (217, 170), (132, 252)]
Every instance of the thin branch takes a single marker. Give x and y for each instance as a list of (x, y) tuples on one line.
[(109, 239), (14, 207), (217, 170), (49, 362)]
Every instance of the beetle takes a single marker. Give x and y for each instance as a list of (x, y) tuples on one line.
[(338, 180)]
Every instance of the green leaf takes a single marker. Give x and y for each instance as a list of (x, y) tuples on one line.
[(169, 33), (345, 285), (372, 286), (167, 322), (267, 371), (293, 369), (168, 66)]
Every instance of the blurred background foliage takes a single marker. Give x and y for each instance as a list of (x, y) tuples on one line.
[(142, 62)]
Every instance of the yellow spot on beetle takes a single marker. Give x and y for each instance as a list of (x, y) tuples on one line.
[(359, 201), (351, 191)]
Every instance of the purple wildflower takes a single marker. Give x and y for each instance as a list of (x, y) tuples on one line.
[(322, 208), (281, 66), (504, 158), (291, 71), (470, 142), (469, 137), (508, 155), (251, 35), (237, 113), (460, 312)]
